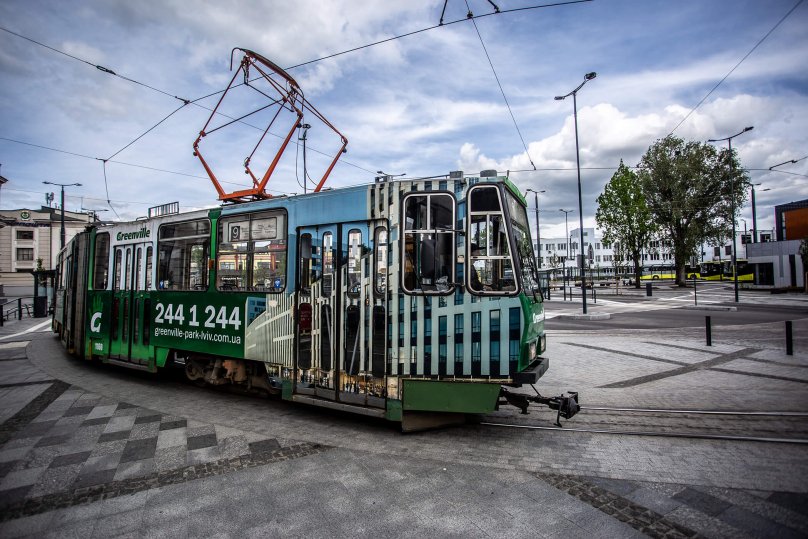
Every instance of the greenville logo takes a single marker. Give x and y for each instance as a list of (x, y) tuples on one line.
[(98, 314), (140, 234)]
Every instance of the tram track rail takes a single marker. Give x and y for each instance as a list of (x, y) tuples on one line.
[(782, 427)]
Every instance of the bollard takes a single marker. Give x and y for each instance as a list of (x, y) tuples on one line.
[(648, 289), (565, 291), (695, 294), (19, 308), (789, 339), (594, 296), (709, 331)]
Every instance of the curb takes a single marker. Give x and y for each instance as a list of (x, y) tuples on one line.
[(709, 308), (597, 316)]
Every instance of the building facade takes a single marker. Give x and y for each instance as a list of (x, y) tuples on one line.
[(30, 239)]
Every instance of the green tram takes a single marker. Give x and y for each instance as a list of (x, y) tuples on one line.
[(415, 301)]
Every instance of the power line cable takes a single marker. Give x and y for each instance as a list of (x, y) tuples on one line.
[(736, 65), (408, 34), (97, 66), (195, 101), (106, 187), (123, 162), (146, 132), (504, 97)]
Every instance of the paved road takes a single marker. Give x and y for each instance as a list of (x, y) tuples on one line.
[(102, 451)]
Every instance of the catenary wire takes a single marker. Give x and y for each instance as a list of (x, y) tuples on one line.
[(195, 101), (408, 34), (703, 99), (97, 66), (125, 163), (502, 90)]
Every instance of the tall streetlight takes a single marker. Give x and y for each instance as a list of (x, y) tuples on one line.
[(567, 229), (754, 212), (574, 94), (538, 233), (62, 234), (732, 201)]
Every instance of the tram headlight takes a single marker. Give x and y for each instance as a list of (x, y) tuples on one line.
[(532, 350)]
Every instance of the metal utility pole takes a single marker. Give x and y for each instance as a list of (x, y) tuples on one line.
[(538, 232), (62, 232), (732, 202), (574, 94)]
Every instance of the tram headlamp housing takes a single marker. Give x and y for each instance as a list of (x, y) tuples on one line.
[(532, 350)]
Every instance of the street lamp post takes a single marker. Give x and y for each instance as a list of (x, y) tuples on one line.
[(567, 240), (574, 94), (62, 232), (754, 213), (538, 232), (732, 202)]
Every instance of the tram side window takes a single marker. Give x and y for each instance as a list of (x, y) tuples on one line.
[(307, 272), (101, 268), (183, 250), (354, 262), (380, 244), (149, 267), (429, 243), (490, 260), (252, 252)]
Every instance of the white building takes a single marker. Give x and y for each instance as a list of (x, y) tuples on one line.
[(559, 253), (30, 237)]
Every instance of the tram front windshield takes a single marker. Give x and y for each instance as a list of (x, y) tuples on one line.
[(524, 245)]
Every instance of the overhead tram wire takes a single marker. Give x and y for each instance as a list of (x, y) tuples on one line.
[(408, 34), (97, 66), (736, 66), (493, 70), (85, 197), (196, 101), (185, 101), (104, 161), (123, 163)]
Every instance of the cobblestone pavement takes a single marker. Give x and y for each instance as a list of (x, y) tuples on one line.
[(95, 451)]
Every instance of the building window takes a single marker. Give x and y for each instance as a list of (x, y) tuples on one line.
[(25, 254), (25, 234), (728, 250)]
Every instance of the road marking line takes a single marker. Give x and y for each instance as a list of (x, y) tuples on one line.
[(29, 330)]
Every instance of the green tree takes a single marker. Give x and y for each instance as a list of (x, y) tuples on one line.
[(624, 217), (691, 189)]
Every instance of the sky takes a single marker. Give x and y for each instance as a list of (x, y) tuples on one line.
[(421, 105)]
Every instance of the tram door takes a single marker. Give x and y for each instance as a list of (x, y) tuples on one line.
[(129, 336), (316, 308), (342, 312)]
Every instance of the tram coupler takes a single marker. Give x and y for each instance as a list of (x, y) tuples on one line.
[(566, 404)]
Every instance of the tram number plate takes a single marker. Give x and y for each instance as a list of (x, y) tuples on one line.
[(211, 317)]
